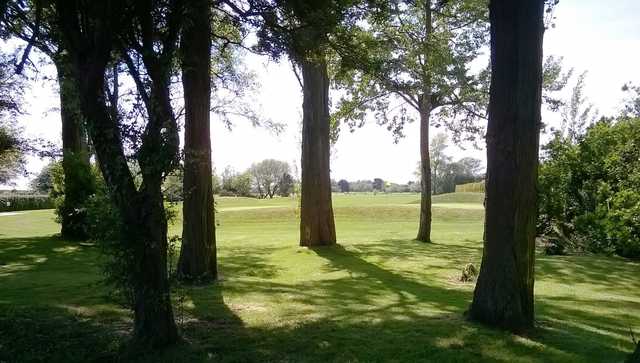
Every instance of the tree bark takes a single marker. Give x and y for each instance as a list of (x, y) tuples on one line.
[(154, 324), (503, 296), (78, 178), (424, 230), (198, 251), (635, 357), (143, 222), (317, 226), (141, 211), (424, 108)]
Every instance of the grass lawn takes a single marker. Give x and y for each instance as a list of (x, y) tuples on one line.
[(379, 296)]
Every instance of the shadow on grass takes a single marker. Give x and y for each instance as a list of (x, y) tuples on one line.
[(373, 313), (590, 269), (249, 262), (48, 334), (20, 254)]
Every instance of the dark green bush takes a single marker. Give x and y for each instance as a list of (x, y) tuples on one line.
[(20, 202), (592, 188)]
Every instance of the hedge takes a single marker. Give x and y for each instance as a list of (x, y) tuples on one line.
[(19, 202), (471, 187)]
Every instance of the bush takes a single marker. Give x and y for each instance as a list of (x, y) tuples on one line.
[(20, 202), (592, 188), (469, 273)]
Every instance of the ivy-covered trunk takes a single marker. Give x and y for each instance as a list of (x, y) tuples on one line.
[(143, 222), (198, 251), (503, 296), (79, 183), (317, 226), (154, 324), (87, 29), (424, 230)]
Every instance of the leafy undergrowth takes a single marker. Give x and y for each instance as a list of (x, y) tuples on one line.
[(378, 296)]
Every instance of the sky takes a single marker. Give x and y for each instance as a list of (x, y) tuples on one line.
[(601, 37)]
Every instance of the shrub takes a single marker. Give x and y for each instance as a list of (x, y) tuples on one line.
[(592, 188), (469, 273)]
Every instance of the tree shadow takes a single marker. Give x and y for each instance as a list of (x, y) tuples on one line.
[(249, 262), (50, 334), (363, 307), (589, 269)]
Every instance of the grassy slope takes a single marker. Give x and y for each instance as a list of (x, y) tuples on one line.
[(380, 296)]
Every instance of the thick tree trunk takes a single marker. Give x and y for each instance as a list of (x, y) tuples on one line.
[(154, 324), (503, 295), (141, 211), (317, 226), (144, 228), (78, 179), (198, 252), (424, 230), (635, 357)]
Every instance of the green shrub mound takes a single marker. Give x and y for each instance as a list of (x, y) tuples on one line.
[(590, 190)]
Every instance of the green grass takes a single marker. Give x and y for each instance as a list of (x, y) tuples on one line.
[(379, 296)]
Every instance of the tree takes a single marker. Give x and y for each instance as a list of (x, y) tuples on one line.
[(361, 186), (588, 194), (90, 31), (439, 162), (197, 259), (79, 182), (236, 183), (43, 182), (268, 176), (12, 152), (503, 296), (344, 186), (286, 185), (301, 30), (635, 357), (172, 186), (416, 54), (26, 21), (471, 170), (378, 184), (13, 145), (577, 114), (631, 106)]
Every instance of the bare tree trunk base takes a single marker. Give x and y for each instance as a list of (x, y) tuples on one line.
[(635, 357)]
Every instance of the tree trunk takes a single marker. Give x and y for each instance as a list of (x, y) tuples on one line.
[(198, 251), (635, 357), (317, 226), (424, 230), (154, 324), (144, 227), (503, 295), (79, 183)]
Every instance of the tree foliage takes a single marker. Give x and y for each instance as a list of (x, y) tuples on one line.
[(268, 177), (235, 184), (411, 51), (13, 145), (588, 189)]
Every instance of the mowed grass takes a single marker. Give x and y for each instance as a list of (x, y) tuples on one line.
[(379, 296)]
